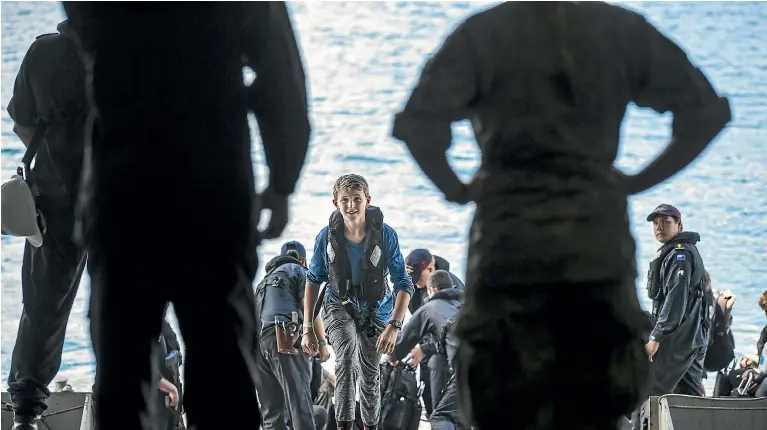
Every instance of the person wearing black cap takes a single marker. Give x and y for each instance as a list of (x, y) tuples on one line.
[(429, 321), (420, 264), (682, 311), (49, 110), (284, 372)]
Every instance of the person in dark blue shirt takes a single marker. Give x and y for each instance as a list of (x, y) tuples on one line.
[(284, 372), (354, 254)]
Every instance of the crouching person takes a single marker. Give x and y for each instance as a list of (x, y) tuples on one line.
[(283, 371), (435, 319), (354, 254)]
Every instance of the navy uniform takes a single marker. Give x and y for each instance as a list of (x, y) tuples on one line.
[(283, 380), (681, 313), (49, 98)]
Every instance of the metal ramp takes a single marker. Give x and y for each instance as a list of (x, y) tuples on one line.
[(678, 412), (66, 411)]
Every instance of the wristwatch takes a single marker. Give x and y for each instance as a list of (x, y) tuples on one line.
[(322, 342), (396, 323)]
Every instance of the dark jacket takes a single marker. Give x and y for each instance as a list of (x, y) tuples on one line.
[(762, 341), (50, 89), (679, 310), (428, 321)]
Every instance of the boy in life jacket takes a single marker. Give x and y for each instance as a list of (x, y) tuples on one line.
[(354, 254)]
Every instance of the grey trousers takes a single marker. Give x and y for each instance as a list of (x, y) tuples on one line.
[(283, 378), (356, 360)]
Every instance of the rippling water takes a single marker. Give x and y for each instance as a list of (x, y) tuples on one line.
[(363, 57)]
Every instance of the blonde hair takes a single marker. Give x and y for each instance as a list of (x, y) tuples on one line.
[(763, 301), (350, 182)]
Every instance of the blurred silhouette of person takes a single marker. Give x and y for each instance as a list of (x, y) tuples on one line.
[(169, 208), (551, 257)]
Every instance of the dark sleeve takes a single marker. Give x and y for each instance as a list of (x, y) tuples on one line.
[(278, 95), (665, 79), (676, 285), (22, 108), (448, 87), (762, 341), (411, 333), (416, 300)]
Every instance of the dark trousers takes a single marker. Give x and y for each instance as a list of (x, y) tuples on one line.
[(50, 276), (520, 342), (677, 371), (171, 211), (447, 414), (439, 374), (424, 375), (281, 379)]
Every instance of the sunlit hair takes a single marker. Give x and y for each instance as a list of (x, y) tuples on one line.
[(351, 182), (763, 301)]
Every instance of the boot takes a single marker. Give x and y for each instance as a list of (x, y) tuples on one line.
[(26, 418), (345, 425), (25, 422)]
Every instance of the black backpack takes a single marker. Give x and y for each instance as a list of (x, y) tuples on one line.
[(442, 339), (721, 347), (400, 398)]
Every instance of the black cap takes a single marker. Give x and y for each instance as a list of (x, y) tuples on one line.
[(666, 210)]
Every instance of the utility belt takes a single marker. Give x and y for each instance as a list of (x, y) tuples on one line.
[(287, 334), (365, 320)]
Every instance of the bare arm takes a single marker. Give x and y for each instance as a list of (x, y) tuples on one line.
[(400, 305), (319, 329), (167, 386)]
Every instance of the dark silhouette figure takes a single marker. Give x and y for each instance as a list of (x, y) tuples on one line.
[(551, 328), (169, 208), (48, 102)]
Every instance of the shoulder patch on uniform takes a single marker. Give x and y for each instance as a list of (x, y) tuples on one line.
[(680, 257), (679, 246), (46, 34)]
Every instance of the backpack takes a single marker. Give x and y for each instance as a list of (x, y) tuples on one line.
[(400, 398), (721, 347), (442, 338)]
